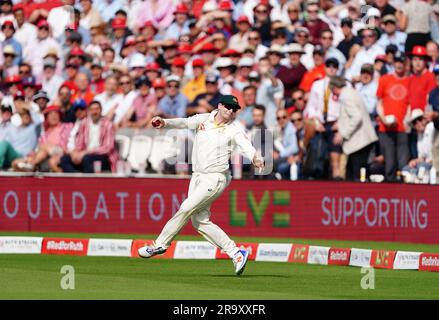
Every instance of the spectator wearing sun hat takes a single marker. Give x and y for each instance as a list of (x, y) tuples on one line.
[(292, 75), (174, 103), (9, 68), (8, 29)]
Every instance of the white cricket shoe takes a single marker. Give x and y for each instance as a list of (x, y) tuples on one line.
[(240, 260), (150, 251)]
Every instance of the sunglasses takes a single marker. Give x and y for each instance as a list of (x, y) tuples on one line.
[(261, 11), (8, 55), (231, 107), (283, 118), (8, 27), (327, 38), (255, 38), (298, 98), (210, 82), (173, 86), (296, 120), (43, 28), (23, 71), (72, 66), (313, 11), (124, 83)]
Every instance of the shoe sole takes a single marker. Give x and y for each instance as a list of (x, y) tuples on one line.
[(240, 271)]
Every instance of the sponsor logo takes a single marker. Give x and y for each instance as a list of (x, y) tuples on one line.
[(429, 262), (339, 256), (252, 249), (109, 247), (406, 260), (194, 250), (20, 244), (318, 255), (299, 253), (382, 259), (65, 246), (360, 257), (273, 252)]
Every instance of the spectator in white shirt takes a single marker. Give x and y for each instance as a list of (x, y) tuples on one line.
[(109, 99)]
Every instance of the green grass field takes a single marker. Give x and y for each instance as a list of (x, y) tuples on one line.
[(38, 276)]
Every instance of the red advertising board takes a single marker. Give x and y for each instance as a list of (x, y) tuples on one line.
[(69, 246), (252, 249), (429, 262), (382, 259), (339, 256), (295, 209)]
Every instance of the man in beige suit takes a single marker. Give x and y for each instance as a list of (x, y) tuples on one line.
[(355, 130)]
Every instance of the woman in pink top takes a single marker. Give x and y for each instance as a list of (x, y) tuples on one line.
[(53, 139), (160, 12)]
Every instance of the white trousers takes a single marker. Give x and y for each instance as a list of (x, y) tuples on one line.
[(204, 188)]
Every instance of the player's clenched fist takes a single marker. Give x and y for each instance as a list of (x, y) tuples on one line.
[(258, 162), (158, 122)]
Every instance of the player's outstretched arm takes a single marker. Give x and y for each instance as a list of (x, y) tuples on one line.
[(179, 123)]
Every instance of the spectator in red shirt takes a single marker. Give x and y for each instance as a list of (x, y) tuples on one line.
[(422, 80), (314, 24), (393, 109)]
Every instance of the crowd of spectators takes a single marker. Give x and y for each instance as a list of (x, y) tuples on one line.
[(75, 72)]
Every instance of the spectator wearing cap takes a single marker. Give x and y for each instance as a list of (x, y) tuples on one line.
[(178, 69), (153, 71), (159, 86), (313, 23), (425, 132), (226, 71), (5, 121), (120, 32), (270, 92), (239, 41), (174, 103), (41, 99), (11, 84), (433, 115), (245, 66), (181, 22), (8, 29), (292, 75), (89, 15), (255, 42), (422, 80), (9, 68), (97, 82), (19, 141), (326, 41), (64, 100), (393, 109), (197, 85), (367, 54), (391, 35), (36, 50), (367, 88), (79, 108), (144, 106), (355, 132), (322, 112), (25, 31), (95, 141), (160, 12), (30, 87), (317, 72), (109, 99), (50, 81), (301, 36), (262, 21), (350, 43), (414, 19), (208, 100)]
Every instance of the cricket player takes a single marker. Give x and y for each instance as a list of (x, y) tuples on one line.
[(216, 137)]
